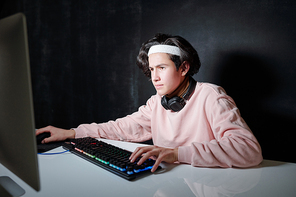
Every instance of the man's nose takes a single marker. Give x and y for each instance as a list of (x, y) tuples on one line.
[(154, 76)]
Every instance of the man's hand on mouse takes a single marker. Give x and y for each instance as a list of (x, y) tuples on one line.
[(56, 134)]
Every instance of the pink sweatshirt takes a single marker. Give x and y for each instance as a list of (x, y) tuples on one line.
[(209, 130)]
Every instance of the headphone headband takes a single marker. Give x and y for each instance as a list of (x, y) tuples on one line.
[(191, 87)]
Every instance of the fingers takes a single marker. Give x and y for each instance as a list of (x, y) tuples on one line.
[(139, 152), (42, 130), (151, 152), (156, 164), (48, 140), (161, 154), (148, 151), (155, 152)]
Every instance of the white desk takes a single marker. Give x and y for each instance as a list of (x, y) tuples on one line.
[(69, 175)]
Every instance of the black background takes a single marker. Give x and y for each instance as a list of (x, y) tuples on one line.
[(83, 58)]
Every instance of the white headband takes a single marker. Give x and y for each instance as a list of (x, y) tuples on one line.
[(161, 48)]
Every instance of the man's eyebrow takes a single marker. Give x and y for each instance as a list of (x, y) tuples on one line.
[(158, 65)]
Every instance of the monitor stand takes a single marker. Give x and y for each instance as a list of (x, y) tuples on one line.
[(10, 188)]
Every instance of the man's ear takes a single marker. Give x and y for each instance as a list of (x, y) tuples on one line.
[(184, 68)]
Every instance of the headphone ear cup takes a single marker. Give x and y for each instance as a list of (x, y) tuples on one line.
[(176, 103), (164, 102)]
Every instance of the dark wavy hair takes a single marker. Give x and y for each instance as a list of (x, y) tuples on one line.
[(188, 53)]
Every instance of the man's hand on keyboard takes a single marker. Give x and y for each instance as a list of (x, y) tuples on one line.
[(161, 154)]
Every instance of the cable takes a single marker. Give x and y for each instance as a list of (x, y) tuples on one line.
[(54, 153)]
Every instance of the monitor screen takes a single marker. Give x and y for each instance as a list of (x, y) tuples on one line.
[(18, 151)]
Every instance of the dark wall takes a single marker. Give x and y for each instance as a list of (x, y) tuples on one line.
[(83, 58)]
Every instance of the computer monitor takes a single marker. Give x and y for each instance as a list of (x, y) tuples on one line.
[(18, 148)]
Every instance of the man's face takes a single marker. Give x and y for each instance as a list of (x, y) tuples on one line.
[(164, 74)]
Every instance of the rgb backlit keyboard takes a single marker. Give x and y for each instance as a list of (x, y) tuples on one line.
[(109, 157)]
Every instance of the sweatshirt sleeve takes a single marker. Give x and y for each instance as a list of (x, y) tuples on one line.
[(132, 128), (234, 144)]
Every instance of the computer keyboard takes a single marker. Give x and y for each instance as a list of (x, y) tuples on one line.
[(109, 157)]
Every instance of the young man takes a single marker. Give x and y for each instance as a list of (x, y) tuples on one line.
[(189, 122)]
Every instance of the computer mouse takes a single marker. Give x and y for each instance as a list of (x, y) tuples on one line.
[(42, 136)]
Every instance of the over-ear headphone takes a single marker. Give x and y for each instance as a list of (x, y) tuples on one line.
[(177, 103)]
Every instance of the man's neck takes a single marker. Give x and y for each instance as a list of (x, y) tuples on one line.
[(180, 91)]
